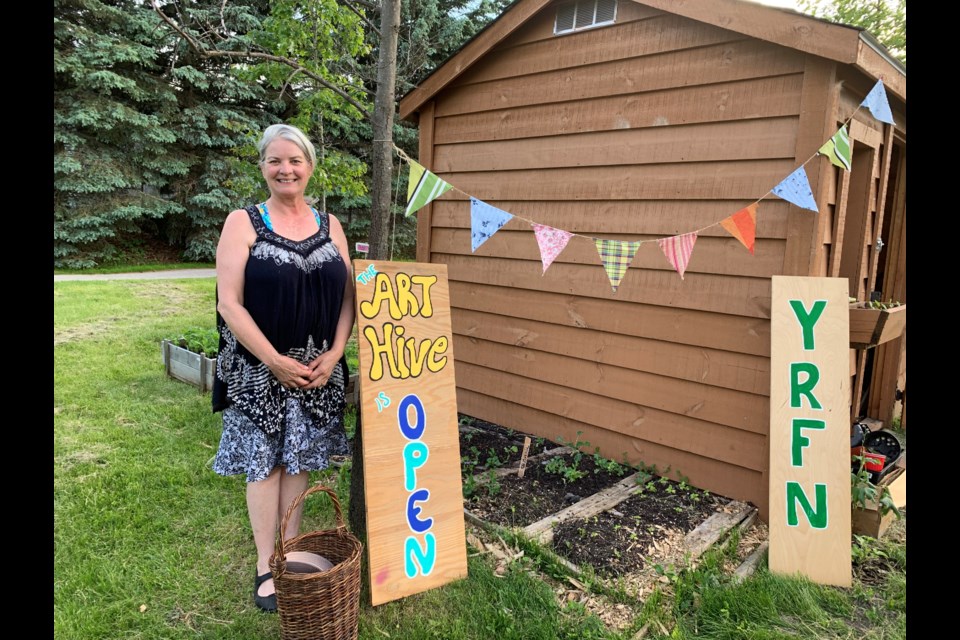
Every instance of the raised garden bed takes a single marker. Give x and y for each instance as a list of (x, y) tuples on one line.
[(617, 541), (187, 366), (592, 513)]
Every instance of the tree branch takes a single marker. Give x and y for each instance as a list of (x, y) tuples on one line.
[(293, 64), (370, 25)]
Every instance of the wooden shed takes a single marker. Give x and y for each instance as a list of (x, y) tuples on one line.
[(641, 120)]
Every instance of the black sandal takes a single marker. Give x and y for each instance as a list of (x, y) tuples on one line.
[(264, 603)]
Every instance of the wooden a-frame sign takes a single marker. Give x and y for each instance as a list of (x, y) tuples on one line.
[(411, 451), (810, 429)]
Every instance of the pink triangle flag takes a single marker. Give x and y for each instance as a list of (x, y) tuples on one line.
[(678, 250), (551, 241)]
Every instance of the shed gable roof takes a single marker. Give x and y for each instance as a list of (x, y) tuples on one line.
[(840, 43)]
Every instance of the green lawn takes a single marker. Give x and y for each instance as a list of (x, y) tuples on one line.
[(150, 543)]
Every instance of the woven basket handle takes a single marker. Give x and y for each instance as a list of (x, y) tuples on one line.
[(341, 527)]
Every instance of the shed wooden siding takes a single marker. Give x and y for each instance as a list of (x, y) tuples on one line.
[(654, 126)]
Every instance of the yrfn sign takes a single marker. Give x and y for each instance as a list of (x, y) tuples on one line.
[(810, 429)]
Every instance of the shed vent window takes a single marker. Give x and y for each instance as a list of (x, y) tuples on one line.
[(584, 14)]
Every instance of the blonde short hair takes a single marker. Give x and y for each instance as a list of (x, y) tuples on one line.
[(287, 132)]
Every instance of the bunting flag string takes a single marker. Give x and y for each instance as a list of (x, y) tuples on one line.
[(838, 149), (743, 226), (616, 255), (423, 187), (485, 221), (795, 188), (876, 102), (678, 250), (551, 242)]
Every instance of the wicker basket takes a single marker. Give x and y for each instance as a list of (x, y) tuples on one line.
[(324, 605)]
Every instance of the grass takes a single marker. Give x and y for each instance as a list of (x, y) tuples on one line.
[(150, 543)]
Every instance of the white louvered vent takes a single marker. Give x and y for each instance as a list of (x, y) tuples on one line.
[(565, 16), (606, 11), (584, 14)]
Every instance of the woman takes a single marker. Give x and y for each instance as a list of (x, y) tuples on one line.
[(285, 312)]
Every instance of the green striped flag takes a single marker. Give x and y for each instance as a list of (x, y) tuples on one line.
[(837, 148), (423, 187)]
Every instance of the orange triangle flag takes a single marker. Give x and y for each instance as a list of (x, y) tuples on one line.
[(743, 225)]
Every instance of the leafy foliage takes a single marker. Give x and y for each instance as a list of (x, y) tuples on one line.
[(886, 20)]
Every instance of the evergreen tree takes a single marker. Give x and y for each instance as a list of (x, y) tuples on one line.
[(144, 136)]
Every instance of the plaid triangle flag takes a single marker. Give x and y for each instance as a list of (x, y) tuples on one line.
[(743, 226), (795, 188), (678, 250), (876, 101), (551, 242), (616, 256), (485, 221), (837, 148), (423, 187)]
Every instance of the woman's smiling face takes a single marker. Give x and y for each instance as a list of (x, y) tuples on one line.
[(285, 168)]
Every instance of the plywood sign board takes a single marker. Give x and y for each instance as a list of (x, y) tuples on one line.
[(411, 451), (810, 429)]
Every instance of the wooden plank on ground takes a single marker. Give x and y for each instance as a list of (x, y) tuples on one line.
[(749, 566), (651, 217), (714, 527), (716, 63), (684, 326), (749, 99), (542, 530)]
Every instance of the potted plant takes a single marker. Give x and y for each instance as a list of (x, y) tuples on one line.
[(191, 356), (875, 322)]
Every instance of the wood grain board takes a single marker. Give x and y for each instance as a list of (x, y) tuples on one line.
[(411, 455), (810, 429)]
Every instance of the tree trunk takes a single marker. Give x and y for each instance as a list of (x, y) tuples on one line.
[(383, 110), (379, 239)]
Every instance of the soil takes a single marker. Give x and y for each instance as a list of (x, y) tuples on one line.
[(619, 541), (646, 529), (486, 446), (517, 502)]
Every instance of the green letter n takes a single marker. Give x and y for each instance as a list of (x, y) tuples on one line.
[(816, 517)]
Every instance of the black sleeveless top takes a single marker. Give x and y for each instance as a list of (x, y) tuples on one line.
[(293, 290)]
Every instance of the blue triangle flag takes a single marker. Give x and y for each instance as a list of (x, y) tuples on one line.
[(485, 220), (795, 188), (876, 101)]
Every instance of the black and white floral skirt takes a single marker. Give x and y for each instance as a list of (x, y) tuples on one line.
[(302, 445)]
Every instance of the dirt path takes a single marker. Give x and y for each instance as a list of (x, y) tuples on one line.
[(146, 275)]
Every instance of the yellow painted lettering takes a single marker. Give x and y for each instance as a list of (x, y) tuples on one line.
[(382, 348), (383, 291), (440, 346), (426, 308)]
